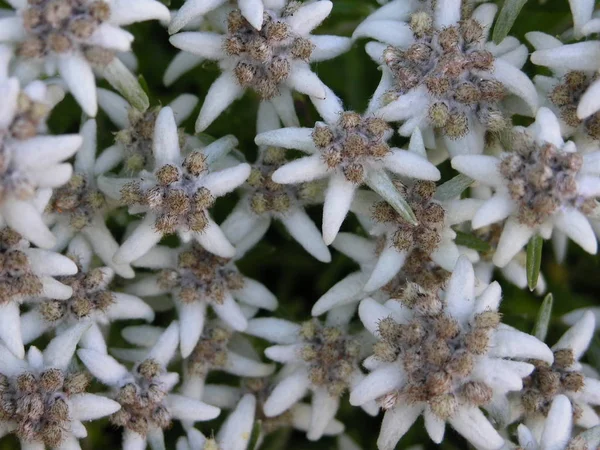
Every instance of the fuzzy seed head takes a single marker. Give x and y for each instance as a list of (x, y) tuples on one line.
[(210, 352)]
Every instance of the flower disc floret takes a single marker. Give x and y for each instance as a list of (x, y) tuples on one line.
[(78, 199), (17, 279)]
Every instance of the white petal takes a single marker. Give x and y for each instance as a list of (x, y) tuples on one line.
[(166, 346), (105, 246), (45, 262), (191, 324), (236, 431), (129, 307), (133, 441), (482, 168), (575, 225), (541, 41), (547, 127), (388, 265), (348, 290), (578, 56), (90, 407), (206, 45), (412, 165), (183, 106), (379, 382), (222, 93), (309, 16), (165, 144), (328, 47), (143, 238), (272, 329), (10, 328), (126, 12), (284, 353), (502, 375), (434, 425), (60, 350), (256, 294), (230, 312), (301, 170), (338, 198), (302, 229), (52, 288), (557, 429), (390, 32), (253, 11), (190, 10), (304, 80), (473, 426), (588, 104), (460, 291), (291, 137), (284, 105), (214, 241), (324, 408), (246, 367), (511, 343), (495, 209), (513, 238), (287, 392), (111, 37), (80, 80), (26, 220), (86, 156), (226, 180), (578, 337), (182, 63), (489, 299), (188, 409), (396, 422), (103, 367)]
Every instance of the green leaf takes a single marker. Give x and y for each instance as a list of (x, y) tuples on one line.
[(471, 241), (381, 183), (508, 14), (540, 328), (593, 353), (453, 188), (256, 429), (534, 260), (126, 84)]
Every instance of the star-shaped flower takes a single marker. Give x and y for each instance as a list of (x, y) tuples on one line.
[(175, 197), (272, 60), (444, 355), (540, 183)]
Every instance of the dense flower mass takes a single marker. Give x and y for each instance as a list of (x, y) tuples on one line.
[(343, 238)]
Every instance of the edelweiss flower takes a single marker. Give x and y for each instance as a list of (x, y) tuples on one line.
[(441, 75), (147, 404), (134, 140), (78, 207), (91, 300), (563, 377), (195, 279), (350, 149), (444, 356), (44, 402), (73, 36), (265, 200), (319, 358), (540, 183), (176, 196), (30, 163), (234, 433), (272, 61), (556, 431), (26, 276)]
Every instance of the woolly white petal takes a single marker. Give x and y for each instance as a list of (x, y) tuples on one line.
[(256, 294), (166, 346), (301, 170), (52, 288), (182, 63), (284, 105), (245, 367), (412, 165), (222, 93), (226, 180), (476, 428), (126, 12), (253, 11), (589, 104), (191, 324), (502, 375), (10, 328), (547, 127), (324, 408), (190, 10), (236, 431), (287, 392), (348, 290), (460, 291), (284, 353), (275, 330), (60, 350), (447, 13), (213, 240), (489, 299), (328, 47), (205, 44), (575, 225), (309, 16), (24, 218), (105, 246), (291, 137), (396, 422), (495, 209), (230, 313), (143, 238), (377, 383), (388, 264), (165, 144), (185, 408), (434, 425), (302, 229), (111, 37), (338, 198), (513, 238), (578, 337), (133, 441), (79, 77), (90, 407), (305, 81), (44, 262), (578, 56), (103, 367), (509, 342), (482, 168), (390, 32)]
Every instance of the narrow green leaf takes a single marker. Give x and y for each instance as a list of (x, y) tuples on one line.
[(126, 84), (540, 328), (534, 260), (381, 183), (453, 187), (144, 84), (593, 353), (508, 14), (471, 241), (256, 429)]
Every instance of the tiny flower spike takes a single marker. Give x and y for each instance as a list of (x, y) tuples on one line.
[(444, 355), (564, 377), (176, 196), (272, 61), (264, 200), (441, 74), (133, 141), (234, 434), (555, 432), (44, 402), (73, 37), (91, 301), (540, 183), (78, 207), (195, 279), (26, 276), (147, 404), (351, 150), (30, 161), (321, 358)]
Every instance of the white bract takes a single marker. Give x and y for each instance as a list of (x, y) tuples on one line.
[(272, 61), (445, 356), (440, 73), (75, 37), (540, 183), (175, 197)]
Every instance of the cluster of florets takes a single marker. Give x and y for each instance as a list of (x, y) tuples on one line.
[(142, 400), (176, 199), (17, 280), (426, 235), (79, 200), (436, 352), (446, 62), (541, 178), (200, 275), (210, 352), (59, 26), (265, 55), (331, 355), (39, 403), (351, 142), (261, 388)]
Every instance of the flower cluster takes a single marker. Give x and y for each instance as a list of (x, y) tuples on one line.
[(140, 256)]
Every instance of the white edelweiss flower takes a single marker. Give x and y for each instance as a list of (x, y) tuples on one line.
[(77, 208), (444, 355), (176, 196), (44, 402), (272, 61), (134, 140), (320, 358), (27, 275), (564, 90), (350, 149), (196, 278), (148, 405), (73, 37), (540, 183), (264, 200), (440, 73), (30, 162), (556, 433), (91, 301), (565, 376), (234, 434)]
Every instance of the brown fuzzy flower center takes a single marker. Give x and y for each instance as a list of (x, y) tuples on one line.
[(17, 280), (210, 351), (79, 200)]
